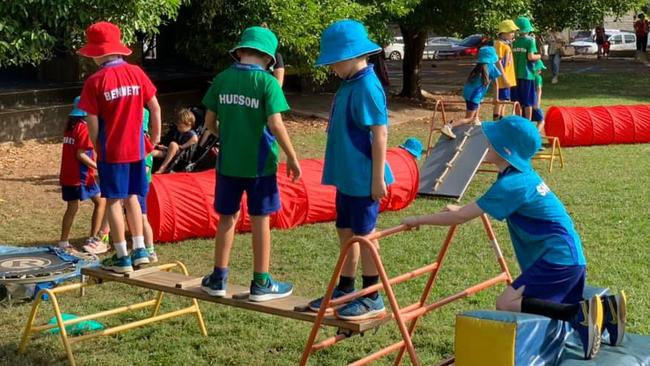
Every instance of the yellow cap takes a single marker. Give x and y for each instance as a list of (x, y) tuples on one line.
[(507, 26)]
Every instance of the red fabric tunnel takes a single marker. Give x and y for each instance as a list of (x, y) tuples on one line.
[(586, 126), (180, 206)]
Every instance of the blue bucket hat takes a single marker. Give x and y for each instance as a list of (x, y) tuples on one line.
[(487, 55), (413, 146), (76, 112), (344, 40), (515, 139)]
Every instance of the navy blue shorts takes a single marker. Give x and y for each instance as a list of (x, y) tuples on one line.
[(538, 115), (504, 94), (525, 93), (262, 194), (120, 180), (471, 106), (356, 213), (552, 282), (81, 193), (142, 200)]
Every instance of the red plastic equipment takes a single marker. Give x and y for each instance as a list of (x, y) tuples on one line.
[(586, 126), (180, 205)]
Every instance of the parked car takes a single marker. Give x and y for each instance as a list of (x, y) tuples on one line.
[(589, 35), (467, 47), (619, 41), (395, 50), (436, 44)]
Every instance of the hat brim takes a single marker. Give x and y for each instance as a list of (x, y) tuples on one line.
[(329, 57), (104, 49), (233, 53), (492, 134), (508, 30), (527, 29)]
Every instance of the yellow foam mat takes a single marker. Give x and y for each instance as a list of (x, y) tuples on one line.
[(484, 342)]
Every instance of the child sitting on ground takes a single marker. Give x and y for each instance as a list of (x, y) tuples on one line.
[(475, 88), (180, 138), (77, 180), (248, 101), (545, 241)]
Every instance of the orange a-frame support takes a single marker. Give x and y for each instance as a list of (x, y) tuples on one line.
[(405, 317)]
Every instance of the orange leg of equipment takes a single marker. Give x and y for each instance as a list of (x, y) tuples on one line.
[(408, 314)]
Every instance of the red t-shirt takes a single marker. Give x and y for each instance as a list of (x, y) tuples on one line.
[(73, 171), (117, 94), (641, 27)]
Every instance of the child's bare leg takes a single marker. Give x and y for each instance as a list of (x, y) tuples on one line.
[(98, 215), (224, 239), (350, 265), (172, 149), (470, 117), (116, 224), (261, 231), (147, 231), (510, 299), (68, 219), (133, 215), (369, 266)]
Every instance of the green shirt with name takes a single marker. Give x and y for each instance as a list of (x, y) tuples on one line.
[(243, 97), (521, 47)]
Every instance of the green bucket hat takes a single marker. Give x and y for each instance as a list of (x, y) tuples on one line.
[(260, 39), (524, 24)]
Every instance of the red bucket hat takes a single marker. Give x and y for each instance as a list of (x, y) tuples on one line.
[(103, 38)]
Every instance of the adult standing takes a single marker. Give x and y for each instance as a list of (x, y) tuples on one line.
[(641, 30), (278, 69), (600, 39), (555, 41)]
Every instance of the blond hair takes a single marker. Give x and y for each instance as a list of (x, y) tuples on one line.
[(185, 117)]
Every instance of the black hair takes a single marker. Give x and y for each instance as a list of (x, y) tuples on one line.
[(480, 70), (72, 120)]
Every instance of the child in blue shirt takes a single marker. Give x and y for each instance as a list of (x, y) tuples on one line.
[(476, 87), (546, 244), (355, 156)]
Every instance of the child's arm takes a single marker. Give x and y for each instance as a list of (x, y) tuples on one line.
[(93, 127), (85, 159), (280, 132), (154, 120), (190, 142), (451, 215), (379, 141), (534, 56)]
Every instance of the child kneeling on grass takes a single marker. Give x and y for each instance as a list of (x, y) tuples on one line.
[(546, 243), (478, 82), (248, 101), (355, 157)]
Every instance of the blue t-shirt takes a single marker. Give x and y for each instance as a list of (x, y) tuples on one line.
[(539, 225), (359, 103), (474, 90)]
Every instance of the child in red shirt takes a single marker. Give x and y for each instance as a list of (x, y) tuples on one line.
[(77, 179), (114, 98)]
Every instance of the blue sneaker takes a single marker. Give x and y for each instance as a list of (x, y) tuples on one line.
[(273, 290), (214, 286), (314, 305), (139, 256), (615, 316), (118, 265), (362, 308), (588, 323)]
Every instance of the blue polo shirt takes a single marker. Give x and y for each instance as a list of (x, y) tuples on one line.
[(359, 104), (474, 91), (539, 225)]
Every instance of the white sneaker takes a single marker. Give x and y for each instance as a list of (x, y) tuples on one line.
[(554, 80), (446, 130)]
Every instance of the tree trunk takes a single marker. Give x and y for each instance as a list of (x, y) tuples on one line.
[(414, 41)]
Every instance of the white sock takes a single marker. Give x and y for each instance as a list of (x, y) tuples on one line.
[(138, 242), (120, 249)]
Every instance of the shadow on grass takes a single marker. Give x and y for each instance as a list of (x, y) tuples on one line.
[(37, 352), (41, 180)]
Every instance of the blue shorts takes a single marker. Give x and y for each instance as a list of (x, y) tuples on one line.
[(525, 93), (262, 194), (356, 213), (142, 200), (471, 106), (504, 94), (552, 282), (538, 115), (120, 180), (81, 193)]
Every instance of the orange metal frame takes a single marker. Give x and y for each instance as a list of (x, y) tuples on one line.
[(405, 317)]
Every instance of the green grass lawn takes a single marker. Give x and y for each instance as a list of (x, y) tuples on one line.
[(606, 190)]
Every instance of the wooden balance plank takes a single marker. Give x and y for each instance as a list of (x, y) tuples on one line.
[(188, 286)]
